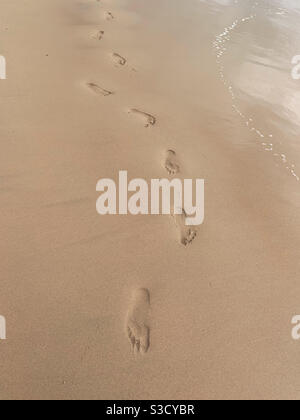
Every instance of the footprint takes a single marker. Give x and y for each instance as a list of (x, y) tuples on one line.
[(187, 233), (108, 16), (98, 35), (99, 90), (138, 331), (150, 119), (119, 59), (170, 163)]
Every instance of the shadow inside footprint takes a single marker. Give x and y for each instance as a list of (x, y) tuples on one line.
[(170, 163), (98, 90), (137, 328), (187, 233), (148, 118), (108, 16), (119, 59), (98, 35)]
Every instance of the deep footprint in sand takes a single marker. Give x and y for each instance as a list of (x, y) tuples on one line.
[(187, 233), (99, 90), (119, 59), (148, 118), (170, 163), (137, 328)]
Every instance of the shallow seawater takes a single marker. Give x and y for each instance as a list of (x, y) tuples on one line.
[(254, 55)]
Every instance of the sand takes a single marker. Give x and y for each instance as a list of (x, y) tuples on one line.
[(117, 307)]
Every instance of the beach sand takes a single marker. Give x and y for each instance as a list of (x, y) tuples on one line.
[(78, 289)]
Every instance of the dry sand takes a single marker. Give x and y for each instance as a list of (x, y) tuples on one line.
[(214, 317)]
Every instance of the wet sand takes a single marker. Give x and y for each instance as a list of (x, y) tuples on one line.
[(117, 307)]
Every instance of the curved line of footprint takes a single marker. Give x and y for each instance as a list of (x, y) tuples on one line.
[(137, 321), (122, 61), (187, 234)]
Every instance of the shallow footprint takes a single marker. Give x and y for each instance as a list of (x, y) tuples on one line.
[(98, 35), (119, 59), (99, 90), (108, 16), (170, 163), (187, 233), (137, 328), (150, 119)]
